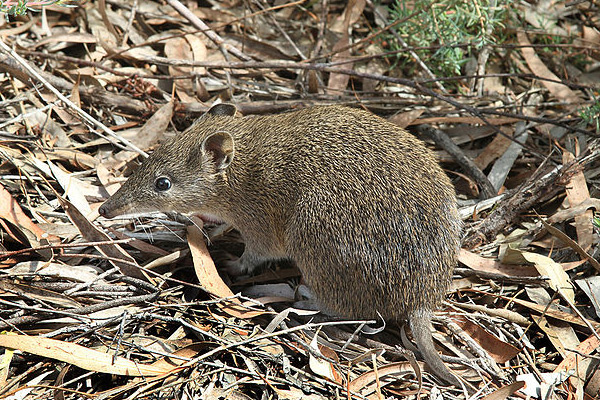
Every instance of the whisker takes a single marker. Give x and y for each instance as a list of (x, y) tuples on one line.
[(137, 222), (169, 229), (200, 228)]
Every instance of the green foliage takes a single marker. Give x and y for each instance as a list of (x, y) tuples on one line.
[(20, 7), (447, 24), (591, 115), (13, 7), (596, 221)]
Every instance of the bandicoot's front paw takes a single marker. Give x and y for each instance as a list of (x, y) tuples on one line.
[(236, 267), (243, 265)]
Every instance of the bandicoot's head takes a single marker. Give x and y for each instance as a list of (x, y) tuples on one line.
[(180, 175)]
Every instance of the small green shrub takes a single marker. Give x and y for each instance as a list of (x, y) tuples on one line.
[(591, 115), (20, 7), (447, 24)]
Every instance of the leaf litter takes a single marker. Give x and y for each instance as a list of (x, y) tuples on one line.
[(137, 308)]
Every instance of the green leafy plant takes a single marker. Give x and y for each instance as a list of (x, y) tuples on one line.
[(447, 24), (20, 7), (591, 115)]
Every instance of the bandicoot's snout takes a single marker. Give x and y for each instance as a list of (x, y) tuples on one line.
[(115, 205), (104, 210)]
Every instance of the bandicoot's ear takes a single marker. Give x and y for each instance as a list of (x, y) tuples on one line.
[(222, 110), (220, 147)]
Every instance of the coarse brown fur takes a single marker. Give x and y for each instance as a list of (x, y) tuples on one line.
[(360, 205)]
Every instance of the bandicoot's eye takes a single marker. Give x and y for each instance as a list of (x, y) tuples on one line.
[(162, 184)]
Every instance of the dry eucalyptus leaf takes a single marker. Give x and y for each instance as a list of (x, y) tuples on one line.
[(577, 193), (154, 129), (560, 91), (179, 49), (406, 118), (11, 211), (208, 276), (504, 392), (49, 128), (80, 356), (74, 189), (74, 273), (499, 350), (559, 280), (561, 334), (479, 263)]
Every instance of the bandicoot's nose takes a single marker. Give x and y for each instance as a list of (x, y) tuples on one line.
[(103, 211)]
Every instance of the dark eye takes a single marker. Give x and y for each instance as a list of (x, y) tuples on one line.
[(162, 184)]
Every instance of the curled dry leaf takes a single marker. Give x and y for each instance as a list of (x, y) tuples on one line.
[(11, 211), (571, 212), (572, 244), (591, 287), (6, 32), (560, 333), (321, 366), (366, 384)]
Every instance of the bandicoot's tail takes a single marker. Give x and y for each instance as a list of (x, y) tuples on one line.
[(420, 324)]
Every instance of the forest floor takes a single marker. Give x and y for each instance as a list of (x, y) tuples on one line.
[(505, 93)]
